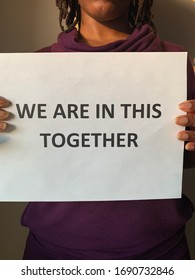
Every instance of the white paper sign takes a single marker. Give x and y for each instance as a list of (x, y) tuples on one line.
[(92, 126)]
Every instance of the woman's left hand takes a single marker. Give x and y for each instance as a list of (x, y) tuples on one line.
[(189, 121)]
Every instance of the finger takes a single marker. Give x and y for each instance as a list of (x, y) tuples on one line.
[(186, 135), (4, 102), (190, 146), (4, 115), (3, 126), (186, 120), (187, 106)]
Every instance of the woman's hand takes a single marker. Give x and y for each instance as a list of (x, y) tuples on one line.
[(4, 115), (189, 121)]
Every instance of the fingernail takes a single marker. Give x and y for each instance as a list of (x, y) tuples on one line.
[(190, 148), (182, 136), (182, 120), (3, 126), (3, 101), (185, 105), (3, 114)]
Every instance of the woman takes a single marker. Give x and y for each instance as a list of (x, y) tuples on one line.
[(150, 229)]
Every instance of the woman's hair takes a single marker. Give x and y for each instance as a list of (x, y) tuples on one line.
[(139, 14)]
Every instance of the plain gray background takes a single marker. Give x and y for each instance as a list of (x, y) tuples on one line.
[(27, 25)]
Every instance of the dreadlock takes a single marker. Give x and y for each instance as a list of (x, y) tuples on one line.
[(139, 14)]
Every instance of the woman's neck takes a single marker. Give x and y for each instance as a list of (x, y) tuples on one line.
[(95, 33)]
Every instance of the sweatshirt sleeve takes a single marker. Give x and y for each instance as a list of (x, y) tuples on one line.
[(190, 81), (189, 157)]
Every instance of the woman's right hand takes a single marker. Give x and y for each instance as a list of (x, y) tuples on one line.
[(4, 115)]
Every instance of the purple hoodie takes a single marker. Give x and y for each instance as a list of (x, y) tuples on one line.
[(119, 229)]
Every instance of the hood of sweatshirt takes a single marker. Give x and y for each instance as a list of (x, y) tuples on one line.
[(140, 40)]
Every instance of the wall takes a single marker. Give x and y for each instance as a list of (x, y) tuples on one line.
[(175, 22), (27, 25)]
